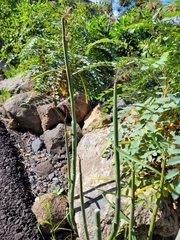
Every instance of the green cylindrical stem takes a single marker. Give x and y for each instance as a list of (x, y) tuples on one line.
[(98, 224), (131, 223), (155, 210), (68, 156), (82, 203), (117, 167), (74, 133)]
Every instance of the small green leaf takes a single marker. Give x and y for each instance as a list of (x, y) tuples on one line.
[(129, 120), (160, 110), (174, 195), (135, 144), (176, 191), (140, 202), (150, 126), (163, 59), (153, 198), (154, 65), (177, 140), (147, 192), (155, 117), (131, 30), (144, 67), (172, 173), (169, 105), (165, 192), (163, 100), (146, 116), (158, 195), (142, 132), (177, 188), (175, 151), (170, 187), (141, 196), (174, 160), (138, 182), (148, 204)]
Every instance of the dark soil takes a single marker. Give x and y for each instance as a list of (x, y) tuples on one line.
[(16, 218)]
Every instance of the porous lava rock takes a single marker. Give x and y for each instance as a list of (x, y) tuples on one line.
[(50, 208)]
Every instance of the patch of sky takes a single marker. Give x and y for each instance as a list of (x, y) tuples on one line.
[(117, 9), (167, 1)]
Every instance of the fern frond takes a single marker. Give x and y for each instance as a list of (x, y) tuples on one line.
[(105, 40)]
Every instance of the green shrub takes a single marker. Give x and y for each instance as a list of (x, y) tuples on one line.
[(149, 133), (32, 35)]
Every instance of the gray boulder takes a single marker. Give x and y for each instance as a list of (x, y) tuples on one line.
[(94, 169), (81, 107), (18, 83), (50, 116), (54, 139), (26, 116)]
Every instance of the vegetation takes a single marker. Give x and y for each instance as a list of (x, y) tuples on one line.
[(135, 56), (135, 42), (36, 44), (4, 95)]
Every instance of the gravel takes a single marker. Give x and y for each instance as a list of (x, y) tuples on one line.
[(20, 184)]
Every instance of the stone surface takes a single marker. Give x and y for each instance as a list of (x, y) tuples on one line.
[(54, 139), (12, 124), (95, 119), (18, 83), (93, 167), (81, 107), (37, 144), (44, 168), (167, 220), (52, 208), (26, 116), (50, 116), (122, 103)]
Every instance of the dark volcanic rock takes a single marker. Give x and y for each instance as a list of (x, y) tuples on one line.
[(16, 218)]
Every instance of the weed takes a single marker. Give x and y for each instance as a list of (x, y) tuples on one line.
[(4, 95), (58, 190)]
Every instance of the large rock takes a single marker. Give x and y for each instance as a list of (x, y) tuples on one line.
[(26, 115), (93, 167), (167, 221), (50, 208), (18, 83), (96, 167), (81, 107), (54, 139), (95, 119), (50, 116)]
